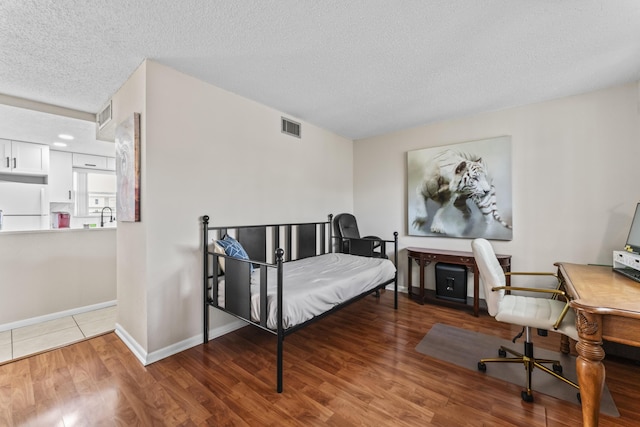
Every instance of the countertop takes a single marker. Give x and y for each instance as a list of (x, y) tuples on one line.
[(59, 230)]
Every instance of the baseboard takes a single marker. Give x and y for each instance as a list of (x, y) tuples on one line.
[(135, 348), (149, 358), (402, 289), (226, 328), (54, 316)]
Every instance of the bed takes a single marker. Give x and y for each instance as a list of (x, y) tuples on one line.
[(250, 271)]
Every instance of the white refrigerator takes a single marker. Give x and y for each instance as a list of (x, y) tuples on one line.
[(24, 206)]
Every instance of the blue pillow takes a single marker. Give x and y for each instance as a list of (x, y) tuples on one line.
[(233, 248)]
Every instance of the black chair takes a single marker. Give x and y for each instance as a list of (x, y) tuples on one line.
[(349, 240)]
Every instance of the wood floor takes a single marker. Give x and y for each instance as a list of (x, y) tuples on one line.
[(356, 367)]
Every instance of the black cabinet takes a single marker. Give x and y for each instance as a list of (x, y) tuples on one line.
[(451, 282)]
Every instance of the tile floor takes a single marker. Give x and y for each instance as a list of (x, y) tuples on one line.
[(21, 342)]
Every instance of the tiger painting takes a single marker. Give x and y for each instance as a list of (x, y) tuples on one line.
[(450, 179)]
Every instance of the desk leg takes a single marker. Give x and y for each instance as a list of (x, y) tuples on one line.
[(589, 367), (565, 344)]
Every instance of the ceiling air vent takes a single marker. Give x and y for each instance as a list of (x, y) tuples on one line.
[(290, 127), (104, 116)]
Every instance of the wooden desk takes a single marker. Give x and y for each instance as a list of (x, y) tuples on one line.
[(425, 256), (607, 306)]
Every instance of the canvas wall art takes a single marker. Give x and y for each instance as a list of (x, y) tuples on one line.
[(461, 190), (128, 169)]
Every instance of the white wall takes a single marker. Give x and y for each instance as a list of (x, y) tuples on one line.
[(208, 151), (49, 272), (575, 177), (131, 237)]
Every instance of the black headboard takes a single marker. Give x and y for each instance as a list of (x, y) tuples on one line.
[(298, 240)]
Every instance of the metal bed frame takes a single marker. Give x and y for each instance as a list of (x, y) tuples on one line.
[(287, 242)]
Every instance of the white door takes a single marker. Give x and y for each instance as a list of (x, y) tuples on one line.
[(28, 158), (60, 177)]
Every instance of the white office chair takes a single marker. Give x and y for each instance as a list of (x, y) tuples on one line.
[(528, 312)]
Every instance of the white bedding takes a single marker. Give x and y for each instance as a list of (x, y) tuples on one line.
[(312, 286)]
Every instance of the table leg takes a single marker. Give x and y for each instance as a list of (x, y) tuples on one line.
[(476, 290), (422, 267), (409, 279), (507, 269), (589, 367)]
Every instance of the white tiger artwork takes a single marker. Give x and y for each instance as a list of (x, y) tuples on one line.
[(452, 178)]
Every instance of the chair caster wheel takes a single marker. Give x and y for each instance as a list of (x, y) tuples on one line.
[(557, 368), (526, 396), (502, 353), (482, 367)]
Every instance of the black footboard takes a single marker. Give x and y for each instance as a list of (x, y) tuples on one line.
[(269, 247)]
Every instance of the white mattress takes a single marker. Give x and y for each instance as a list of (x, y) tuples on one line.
[(312, 286)]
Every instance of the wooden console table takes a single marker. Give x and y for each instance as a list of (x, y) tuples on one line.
[(425, 256), (607, 305)]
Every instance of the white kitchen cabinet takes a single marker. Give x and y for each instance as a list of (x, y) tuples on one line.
[(5, 155), (24, 158), (111, 163), (61, 177), (89, 161)]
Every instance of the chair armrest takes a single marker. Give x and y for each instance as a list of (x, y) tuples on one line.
[(376, 238), (543, 273), (530, 273), (519, 288)]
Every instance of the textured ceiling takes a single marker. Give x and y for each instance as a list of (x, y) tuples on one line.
[(358, 68)]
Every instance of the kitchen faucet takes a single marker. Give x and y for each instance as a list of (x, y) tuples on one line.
[(102, 217)]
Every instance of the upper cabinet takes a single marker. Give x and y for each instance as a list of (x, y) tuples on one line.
[(89, 161), (61, 177), (5, 156), (24, 158)]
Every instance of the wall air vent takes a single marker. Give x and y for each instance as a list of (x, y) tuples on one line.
[(105, 126), (104, 116), (290, 127)]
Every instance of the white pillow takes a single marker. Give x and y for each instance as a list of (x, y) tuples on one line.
[(220, 251)]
